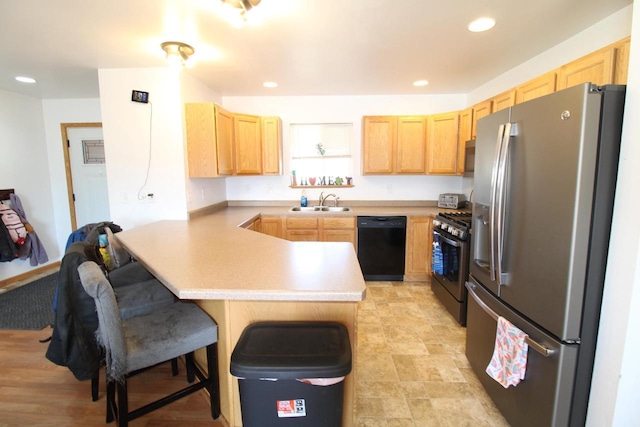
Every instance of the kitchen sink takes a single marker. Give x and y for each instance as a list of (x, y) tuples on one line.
[(320, 209)]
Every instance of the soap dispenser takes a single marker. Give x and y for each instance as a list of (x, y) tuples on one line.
[(303, 199)]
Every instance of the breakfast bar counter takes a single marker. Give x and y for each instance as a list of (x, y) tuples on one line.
[(239, 277)]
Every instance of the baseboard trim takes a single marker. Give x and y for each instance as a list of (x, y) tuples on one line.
[(29, 274)]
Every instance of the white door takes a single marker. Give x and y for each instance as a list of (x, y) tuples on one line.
[(89, 175)]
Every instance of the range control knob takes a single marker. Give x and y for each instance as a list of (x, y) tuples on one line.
[(436, 223)]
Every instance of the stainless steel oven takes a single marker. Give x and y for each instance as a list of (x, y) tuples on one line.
[(450, 261)]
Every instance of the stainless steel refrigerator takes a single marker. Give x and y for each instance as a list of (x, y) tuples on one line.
[(545, 176)]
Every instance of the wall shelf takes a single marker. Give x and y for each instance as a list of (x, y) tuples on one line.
[(321, 186)]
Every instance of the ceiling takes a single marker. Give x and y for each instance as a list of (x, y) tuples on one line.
[(310, 47)]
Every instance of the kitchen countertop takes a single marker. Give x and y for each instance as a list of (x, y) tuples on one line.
[(212, 257)]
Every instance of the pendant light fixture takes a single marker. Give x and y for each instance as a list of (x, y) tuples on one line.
[(236, 11)]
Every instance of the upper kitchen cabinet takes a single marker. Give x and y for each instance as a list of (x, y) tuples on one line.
[(271, 146), (379, 135), (394, 144), (537, 87), (225, 141), (480, 110), (201, 140), (248, 144), (504, 100), (442, 144), (222, 143), (411, 145), (622, 61), (464, 135), (596, 67)]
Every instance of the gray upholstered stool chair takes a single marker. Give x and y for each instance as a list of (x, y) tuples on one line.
[(141, 342)]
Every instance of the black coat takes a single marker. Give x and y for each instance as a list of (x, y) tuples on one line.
[(73, 342)]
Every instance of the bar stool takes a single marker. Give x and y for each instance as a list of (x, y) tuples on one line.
[(141, 342)]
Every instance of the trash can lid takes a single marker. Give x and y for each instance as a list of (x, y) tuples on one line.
[(292, 350)]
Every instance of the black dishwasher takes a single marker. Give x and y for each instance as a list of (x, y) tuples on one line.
[(381, 247)]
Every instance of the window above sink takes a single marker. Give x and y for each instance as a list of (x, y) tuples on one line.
[(321, 154)]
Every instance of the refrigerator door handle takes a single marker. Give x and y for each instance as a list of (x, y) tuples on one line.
[(501, 203), (546, 352), (492, 204)]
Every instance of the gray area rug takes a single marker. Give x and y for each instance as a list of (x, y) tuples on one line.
[(29, 307)]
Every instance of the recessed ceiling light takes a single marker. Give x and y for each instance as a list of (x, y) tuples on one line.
[(481, 24), (270, 84), (24, 79), (420, 83)]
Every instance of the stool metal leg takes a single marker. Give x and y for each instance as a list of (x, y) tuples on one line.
[(214, 379), (95, 381)]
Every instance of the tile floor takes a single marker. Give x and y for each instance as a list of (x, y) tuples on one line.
[(412, 370)]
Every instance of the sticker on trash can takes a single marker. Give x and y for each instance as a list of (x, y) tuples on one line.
[(291, 408)]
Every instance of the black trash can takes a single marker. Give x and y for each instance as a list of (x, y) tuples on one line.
[(292, 373)]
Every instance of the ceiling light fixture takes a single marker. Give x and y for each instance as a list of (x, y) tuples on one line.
[(178, 53), (23, 79), (481, 24), (237, 11), (419, 83), (270, 84)]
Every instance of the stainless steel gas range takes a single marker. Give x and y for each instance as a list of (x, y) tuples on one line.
[(450, 261)]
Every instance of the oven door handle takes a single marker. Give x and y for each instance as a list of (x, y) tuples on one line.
[(447, 240)]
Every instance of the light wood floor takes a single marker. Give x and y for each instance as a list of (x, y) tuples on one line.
[(35, 392)]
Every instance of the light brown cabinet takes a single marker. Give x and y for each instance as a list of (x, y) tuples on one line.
[(419, 247), (480, 110), (411, 145), (464, 135), (201, 140), (536, 88), (596, 67), (393, 144), (379, 135), (622, 61), (321, 229), (224, 141), (301, 229), (342, 229), (221, 143), (254, 225), (442, 144), (271, 226), (248, 144), (504, 100), (271, 146)]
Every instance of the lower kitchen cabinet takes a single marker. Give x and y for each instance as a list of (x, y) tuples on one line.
[(254, 225), (341, 229), (321, 229), (302, 229), (419, 246), (271, 226)]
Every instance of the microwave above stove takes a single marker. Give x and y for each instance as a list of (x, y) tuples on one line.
[(451, 200)]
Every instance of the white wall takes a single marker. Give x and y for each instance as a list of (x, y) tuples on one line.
[(342, 109), (605, 32), (615, 391), (200, 192), (25, 169), (57, 111), (135, 133)]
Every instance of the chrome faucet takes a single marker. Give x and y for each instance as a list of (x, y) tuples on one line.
[(322, 199)]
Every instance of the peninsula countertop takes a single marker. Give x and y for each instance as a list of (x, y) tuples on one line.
[(210, 257)]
